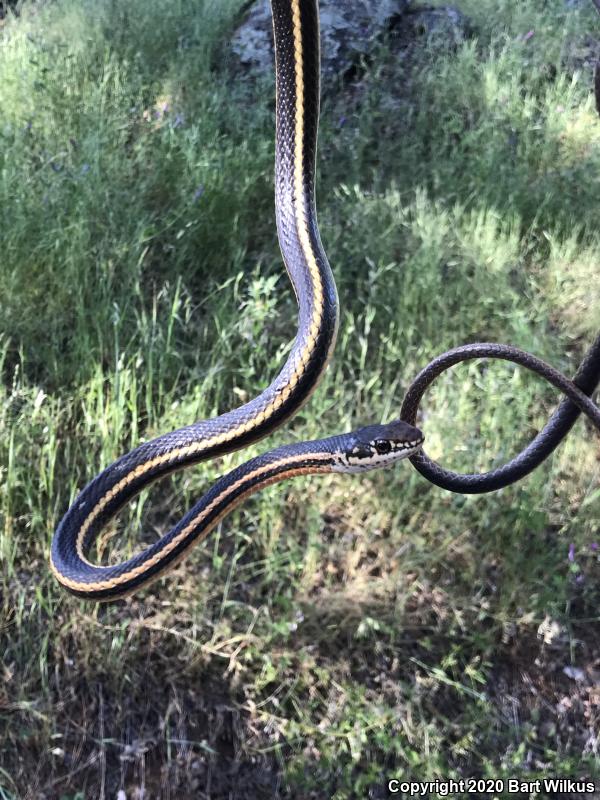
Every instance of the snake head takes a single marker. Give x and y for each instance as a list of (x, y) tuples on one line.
[(376, 446)]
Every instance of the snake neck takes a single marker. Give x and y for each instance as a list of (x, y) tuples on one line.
[(297, 62)]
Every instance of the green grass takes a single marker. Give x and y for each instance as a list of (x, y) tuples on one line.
[(332, 632)]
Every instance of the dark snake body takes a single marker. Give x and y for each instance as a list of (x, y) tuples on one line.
[(578, 391)]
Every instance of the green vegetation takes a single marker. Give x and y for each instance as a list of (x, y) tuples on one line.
[(332, 632)]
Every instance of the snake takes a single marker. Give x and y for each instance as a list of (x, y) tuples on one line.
[(297, 73)]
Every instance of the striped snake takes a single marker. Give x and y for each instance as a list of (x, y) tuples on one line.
[(296, 33)]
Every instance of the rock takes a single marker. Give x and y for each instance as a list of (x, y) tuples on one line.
[(347, 31), (443, 23)]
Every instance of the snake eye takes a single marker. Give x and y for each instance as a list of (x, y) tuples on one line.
[(382, 446)]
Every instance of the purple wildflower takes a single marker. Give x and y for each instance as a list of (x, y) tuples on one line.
[(199, 192), (594, 546), (162, 111), (528, 36), (342, 121), (571, 552), (579, 579)]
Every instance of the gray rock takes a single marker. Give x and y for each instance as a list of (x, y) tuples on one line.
[(347, 30), (443, 23)]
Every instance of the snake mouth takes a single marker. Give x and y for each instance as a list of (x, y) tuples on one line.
[(410, 448), (415, 444)]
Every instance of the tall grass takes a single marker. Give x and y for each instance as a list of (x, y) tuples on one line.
[(331, 631)]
